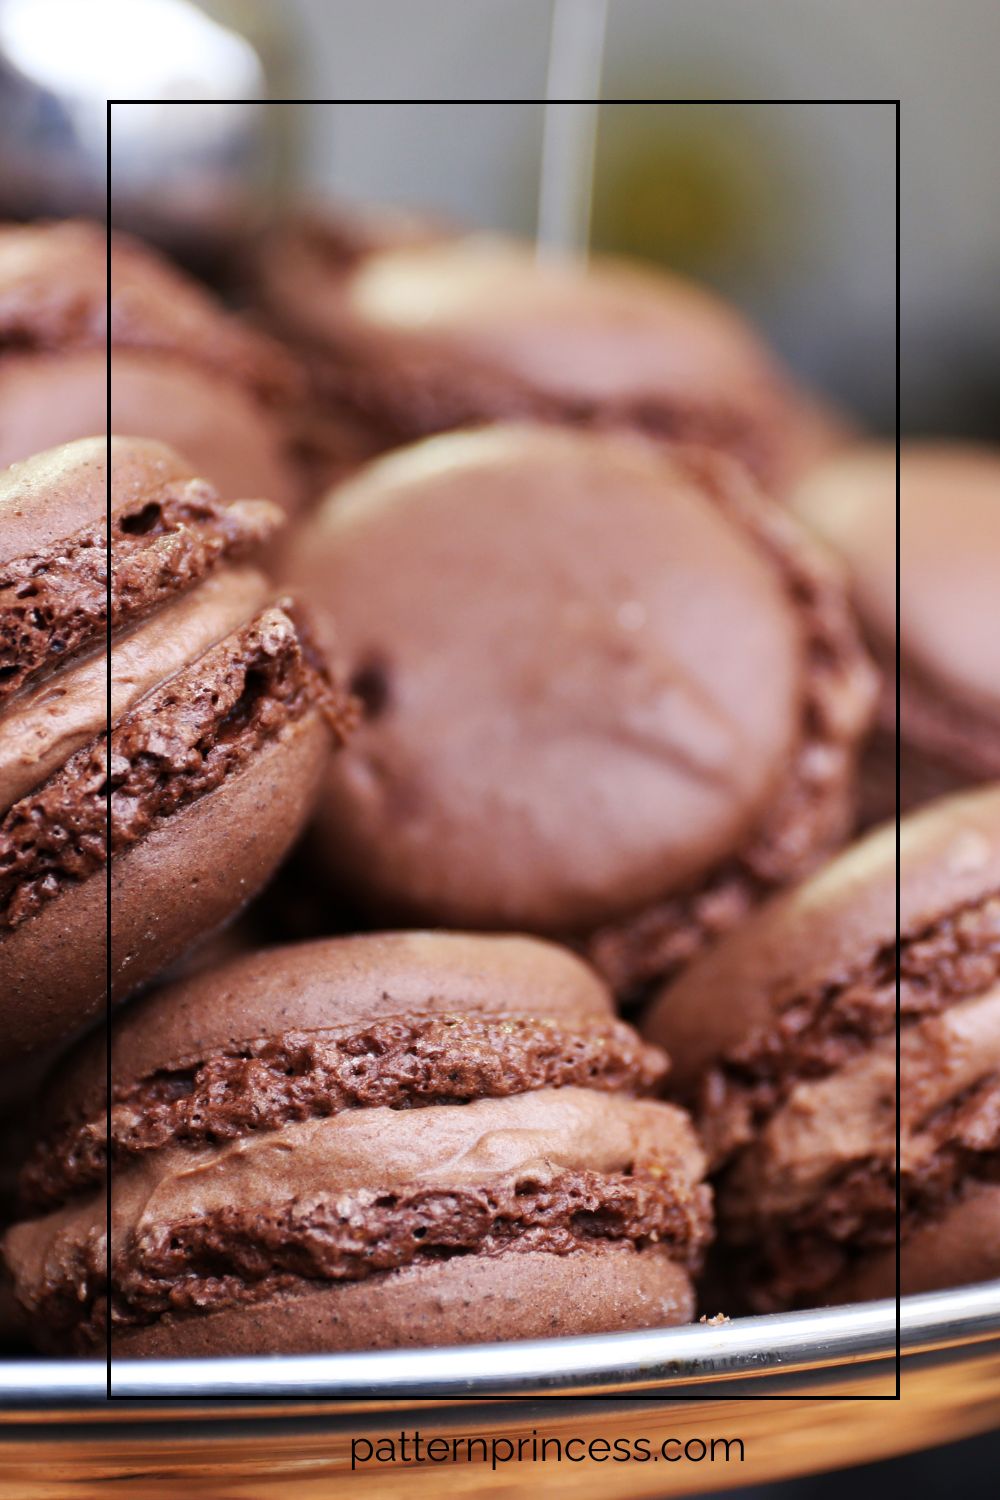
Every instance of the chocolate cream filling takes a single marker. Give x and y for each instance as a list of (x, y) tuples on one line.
[(362, 1195), (816, 1034), (176, 745), (401, 1062), (48, 722), (246, 1255), (55, 604), (812, 808), (792, 1262), (816, 1189), (795, 1260)]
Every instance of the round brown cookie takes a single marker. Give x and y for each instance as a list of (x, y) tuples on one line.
[(363, 1142), (409, 328), (221, 716), (611, 694), (184, 370), (784, 1043), (949, 607)]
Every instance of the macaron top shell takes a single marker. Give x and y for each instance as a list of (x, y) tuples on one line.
[(333, 983), (52, 496), (410, 328), (612, 332), (583, 676)]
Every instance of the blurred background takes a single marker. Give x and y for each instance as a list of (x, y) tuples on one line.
[(785, 207), (788, 208)]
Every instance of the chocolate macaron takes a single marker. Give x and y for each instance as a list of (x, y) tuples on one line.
[(784, 1042), (362, 1143), (409, 330), (949, 607), (222, 715), (611, 694), (184, 370)]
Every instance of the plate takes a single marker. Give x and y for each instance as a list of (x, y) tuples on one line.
[(800, 1392)]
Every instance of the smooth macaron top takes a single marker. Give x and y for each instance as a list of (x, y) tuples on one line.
[(949, 544), (404, 1099), (587, 664), (612, 332), (785, 1044)]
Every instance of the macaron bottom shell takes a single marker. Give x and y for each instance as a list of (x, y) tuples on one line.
[(520, 1294), (184, 879), (960, 1248)]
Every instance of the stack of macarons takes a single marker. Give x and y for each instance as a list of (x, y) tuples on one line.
[(784, 1043), (566, 667), (364, 1142)]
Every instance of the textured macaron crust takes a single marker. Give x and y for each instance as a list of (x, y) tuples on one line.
[(341, 1144), (784, 1043), (409, 330), (610, 693), (184, 370), (215, 689), (949, 605)]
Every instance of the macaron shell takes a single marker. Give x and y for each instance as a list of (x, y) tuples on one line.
[(467, 1300), (949, 602), (614, 728), (183, 879), (228, 436), (612, 333), (826, 929), (331, 983), (63, 490)]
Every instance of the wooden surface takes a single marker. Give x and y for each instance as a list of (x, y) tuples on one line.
[(267, 1459)]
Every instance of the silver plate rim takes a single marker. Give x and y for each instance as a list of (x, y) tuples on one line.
[(692, 1357)]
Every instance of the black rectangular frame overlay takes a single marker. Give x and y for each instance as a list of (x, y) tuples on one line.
[(662, 1396)]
